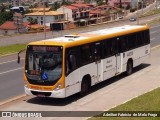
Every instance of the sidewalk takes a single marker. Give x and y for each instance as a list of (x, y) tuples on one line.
[(140, 11)]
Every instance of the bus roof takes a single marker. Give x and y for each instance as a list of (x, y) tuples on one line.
[(93, 36)]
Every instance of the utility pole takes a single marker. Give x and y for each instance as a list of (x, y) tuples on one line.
[(120, 3), (156, 4), (142, 6), (137, 12), (44, 19)]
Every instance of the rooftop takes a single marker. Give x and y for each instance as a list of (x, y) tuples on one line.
[(95, 35), (40, 9), (71, 7), (48, 13), (9, 25)]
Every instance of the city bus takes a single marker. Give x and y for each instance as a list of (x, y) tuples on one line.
[(63, 66)]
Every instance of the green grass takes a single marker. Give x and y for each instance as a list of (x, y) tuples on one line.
[(11, 49), (155, 21), (151, 12), (147, 102)]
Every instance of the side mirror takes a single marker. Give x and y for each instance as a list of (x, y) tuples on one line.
[(19, 59)]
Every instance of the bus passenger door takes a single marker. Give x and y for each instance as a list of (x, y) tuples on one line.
[(98, 61), (118, 57)]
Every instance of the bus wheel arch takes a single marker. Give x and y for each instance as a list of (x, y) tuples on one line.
[(85, 84), (129, 67)]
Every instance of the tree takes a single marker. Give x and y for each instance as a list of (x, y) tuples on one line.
[(64, 2), (87, 1), (55, 6), (32, 20), (5, 16), (2, 8), (99, 2)]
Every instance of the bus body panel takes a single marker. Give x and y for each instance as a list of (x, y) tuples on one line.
[(55, 94), (109, 67), (101, 68), (74, 79), (138, 55)]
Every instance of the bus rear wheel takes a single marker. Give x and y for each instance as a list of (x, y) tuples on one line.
[(84, 87), (129, 68)]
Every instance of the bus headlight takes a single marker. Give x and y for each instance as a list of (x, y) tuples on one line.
[(58, 86), (25, 85)]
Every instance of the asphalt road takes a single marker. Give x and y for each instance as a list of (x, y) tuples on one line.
[(11, 73), (104, 96)]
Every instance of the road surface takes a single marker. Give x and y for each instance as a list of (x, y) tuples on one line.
[(11, 76), (103, 96)]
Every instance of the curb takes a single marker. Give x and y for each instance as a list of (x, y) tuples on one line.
[(12, 99), (8, 54), (155, 47)]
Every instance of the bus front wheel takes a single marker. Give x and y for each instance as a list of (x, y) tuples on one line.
[(84, 87), (129, 67)]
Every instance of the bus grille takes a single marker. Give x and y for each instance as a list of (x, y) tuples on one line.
[(41, 93)]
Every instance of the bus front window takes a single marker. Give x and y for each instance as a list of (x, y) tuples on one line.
[(43, 64)]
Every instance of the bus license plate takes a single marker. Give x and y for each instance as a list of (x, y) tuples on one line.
[(40, 95)]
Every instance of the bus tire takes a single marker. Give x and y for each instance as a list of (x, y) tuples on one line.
[(129, 68), (85, 85)]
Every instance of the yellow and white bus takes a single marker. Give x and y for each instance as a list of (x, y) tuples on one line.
[(63, 66)]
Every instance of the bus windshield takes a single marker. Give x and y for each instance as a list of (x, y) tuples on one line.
[(43, 63)]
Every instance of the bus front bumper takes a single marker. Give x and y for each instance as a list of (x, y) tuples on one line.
[(54, 94)]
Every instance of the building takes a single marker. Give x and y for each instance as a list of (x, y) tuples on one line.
[(16, 3), (76, 12), (140, 3), (104, 13), (10, 27), (116, 3), (50, 17), (83, 14), (15, 26)]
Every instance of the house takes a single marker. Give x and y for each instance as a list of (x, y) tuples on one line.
[(9, 28), (83, 14), (50, 17), (116, 3), (15, 2), (104, 13), (76, 12)]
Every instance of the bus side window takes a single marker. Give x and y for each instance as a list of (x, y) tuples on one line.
[(139, 39), (109, 47), (132, 41), (71, 62), (113, 46), (123, 44), (146, 37), (86, 54)]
